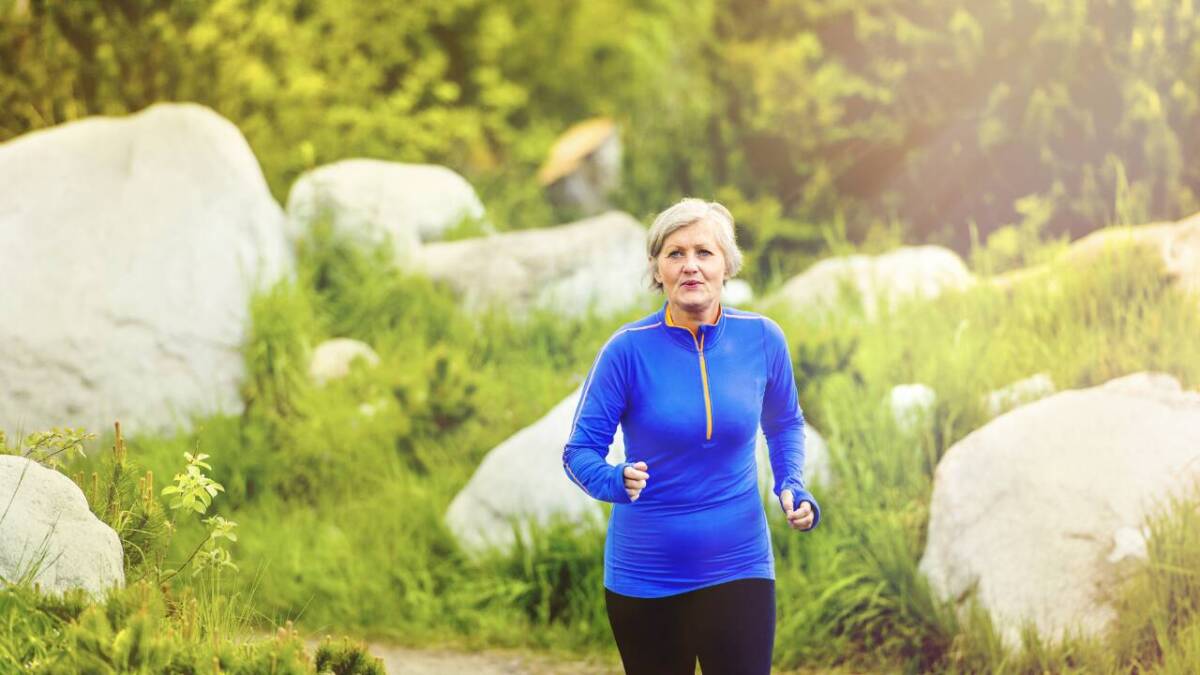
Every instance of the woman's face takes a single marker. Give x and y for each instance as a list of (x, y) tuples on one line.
[(691, 268)]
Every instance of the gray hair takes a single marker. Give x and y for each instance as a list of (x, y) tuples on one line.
[(687, 211)]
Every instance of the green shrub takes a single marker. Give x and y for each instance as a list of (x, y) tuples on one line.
[(136, 629), (346, 657)]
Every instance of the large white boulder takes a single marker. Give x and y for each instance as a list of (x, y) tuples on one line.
[(1177, 244), (48, 534), (598, 264), (1035, 510), (910, 271), (817, 465), (370, 201), (522, 481), (129, 250)]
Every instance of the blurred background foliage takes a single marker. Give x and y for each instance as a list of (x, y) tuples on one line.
[(920, 120)]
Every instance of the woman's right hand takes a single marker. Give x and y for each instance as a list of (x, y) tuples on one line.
[(636, 476)]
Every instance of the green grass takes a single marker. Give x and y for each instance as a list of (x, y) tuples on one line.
[(858, 596), (340, 511), (142, 629)]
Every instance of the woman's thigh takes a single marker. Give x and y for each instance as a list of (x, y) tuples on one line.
[(652, 634), (734, 627)]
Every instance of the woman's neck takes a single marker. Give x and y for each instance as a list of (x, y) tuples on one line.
[(692, 320)]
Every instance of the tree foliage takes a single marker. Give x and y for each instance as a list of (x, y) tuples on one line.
[(814, 116)]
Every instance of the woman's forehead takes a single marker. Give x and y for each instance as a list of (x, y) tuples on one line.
[(692, 234)]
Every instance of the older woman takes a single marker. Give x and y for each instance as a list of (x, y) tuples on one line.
[(688, 569)]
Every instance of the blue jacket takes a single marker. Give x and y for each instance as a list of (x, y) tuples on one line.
[(689, 406)]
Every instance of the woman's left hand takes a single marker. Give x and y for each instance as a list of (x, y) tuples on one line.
[(798, 518)]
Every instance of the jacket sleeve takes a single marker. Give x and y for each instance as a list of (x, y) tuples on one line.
[(783, 422), (601, 405)]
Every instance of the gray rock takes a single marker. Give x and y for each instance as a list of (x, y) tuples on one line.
[(522, 481), (130, 248), (332, 358), (912, 404), (372, 201), (1034, 511), (1018, 393), (911, 271), (598, 264), (817, 469), (1177, 244), (1128, 543), (584, 167), (737, 293), (48, 534)]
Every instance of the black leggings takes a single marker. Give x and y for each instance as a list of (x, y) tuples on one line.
[(730, 627)]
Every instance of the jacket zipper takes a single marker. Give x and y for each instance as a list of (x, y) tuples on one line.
[(704, 381), (703, 376)]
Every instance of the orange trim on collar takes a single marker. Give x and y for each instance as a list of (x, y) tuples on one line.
[(699, 342), (672, 324)]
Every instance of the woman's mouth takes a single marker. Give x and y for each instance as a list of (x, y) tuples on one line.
[(691, 284)]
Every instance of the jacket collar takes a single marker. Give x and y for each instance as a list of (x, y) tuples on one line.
[(710, 332)]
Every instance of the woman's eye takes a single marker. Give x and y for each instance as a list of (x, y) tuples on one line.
[(675, 254), (705, 252)]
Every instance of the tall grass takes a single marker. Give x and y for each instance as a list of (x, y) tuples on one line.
[(859, 597), (340, 489)]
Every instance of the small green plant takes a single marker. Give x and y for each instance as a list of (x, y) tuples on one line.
[(192, 489), (193, 492), (49, 447)]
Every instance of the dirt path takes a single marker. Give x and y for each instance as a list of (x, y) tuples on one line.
[(454, 661), (409, 661)]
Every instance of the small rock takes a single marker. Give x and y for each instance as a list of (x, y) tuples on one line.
[(331, 359), (737, 293), (49, 531), (911, 405), (1018, 393), (584, 166), (1128, 542)]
